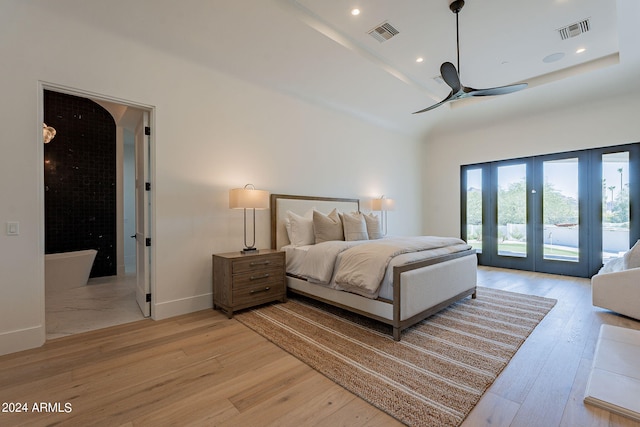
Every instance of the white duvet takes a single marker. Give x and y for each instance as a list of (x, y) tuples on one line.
[(360, 266)]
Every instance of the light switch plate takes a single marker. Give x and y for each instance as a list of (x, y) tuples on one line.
[(13, 228)]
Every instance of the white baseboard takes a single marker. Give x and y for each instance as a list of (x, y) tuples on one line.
[(22, 339), (178, 307)]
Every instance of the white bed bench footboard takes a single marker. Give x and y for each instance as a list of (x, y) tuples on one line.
[(422, 287)]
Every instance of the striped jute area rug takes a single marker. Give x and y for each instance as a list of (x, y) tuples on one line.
[(434, 376)]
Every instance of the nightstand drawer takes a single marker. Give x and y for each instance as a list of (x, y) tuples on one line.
[(258, 263), (257, 293), (259, 277)]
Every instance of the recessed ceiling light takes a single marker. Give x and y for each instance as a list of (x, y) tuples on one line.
[(355, 12), (580, 50), (419, 59)]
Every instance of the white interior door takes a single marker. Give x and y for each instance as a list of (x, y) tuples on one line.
[(143, 211)]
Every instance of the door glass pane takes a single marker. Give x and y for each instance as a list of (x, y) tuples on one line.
[(474, 209), (512, 210), (615, 205), (560, 210)]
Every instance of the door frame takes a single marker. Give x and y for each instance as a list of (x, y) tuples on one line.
[(151, 219), (578, 268), (505, 261), (595, 261), (590, 215)]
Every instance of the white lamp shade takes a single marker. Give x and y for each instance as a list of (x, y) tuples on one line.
[(382, 204), (247, 198)]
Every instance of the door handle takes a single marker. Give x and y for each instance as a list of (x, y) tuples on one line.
[(133, 237)]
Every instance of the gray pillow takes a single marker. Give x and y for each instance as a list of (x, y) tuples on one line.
[(374, 230), (327, 227), (355, 226)]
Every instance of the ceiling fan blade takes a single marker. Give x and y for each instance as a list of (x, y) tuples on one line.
[(447, 99), (450, 76), (501, 90)]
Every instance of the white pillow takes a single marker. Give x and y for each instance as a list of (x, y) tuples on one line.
[(327, 227), (300, 228), (374, 229), (632, 257), (355, 226), (612, 266)]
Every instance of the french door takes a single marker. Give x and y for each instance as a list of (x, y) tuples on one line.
[(563, 213)]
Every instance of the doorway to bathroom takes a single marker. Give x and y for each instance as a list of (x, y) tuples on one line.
[(97, 198)]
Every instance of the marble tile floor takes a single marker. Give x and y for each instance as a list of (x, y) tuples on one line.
[(104, 302)]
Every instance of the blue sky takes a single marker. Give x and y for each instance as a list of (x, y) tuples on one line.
[(563, 174)]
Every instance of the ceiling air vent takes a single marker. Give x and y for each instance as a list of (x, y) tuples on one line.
[(574, 29), (383, 32)]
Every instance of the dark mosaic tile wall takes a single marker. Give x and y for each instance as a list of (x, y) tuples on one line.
[(80, 180)]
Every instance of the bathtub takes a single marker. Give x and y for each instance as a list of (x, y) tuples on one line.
[(68, 270)]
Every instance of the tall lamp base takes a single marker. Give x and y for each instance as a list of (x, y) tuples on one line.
[(249, 251)]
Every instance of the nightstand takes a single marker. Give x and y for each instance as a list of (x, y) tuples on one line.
[(246, 280)]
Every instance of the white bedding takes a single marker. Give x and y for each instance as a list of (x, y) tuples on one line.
[(321, 263)]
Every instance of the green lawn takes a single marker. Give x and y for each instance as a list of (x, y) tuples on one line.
[(520, 247)]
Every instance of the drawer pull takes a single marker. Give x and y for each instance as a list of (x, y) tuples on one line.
[(255, 291), (254, 263), (264, 276)]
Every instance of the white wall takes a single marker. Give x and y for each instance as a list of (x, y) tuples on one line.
[(610, 122), (212, 132)]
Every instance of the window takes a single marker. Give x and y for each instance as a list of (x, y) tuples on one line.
[(615, 205), (474, 208), (563, 213), (512, 210)]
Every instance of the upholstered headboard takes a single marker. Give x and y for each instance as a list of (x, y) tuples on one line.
[(281, 203)]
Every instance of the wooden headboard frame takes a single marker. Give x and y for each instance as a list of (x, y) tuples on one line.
[(281, 203)]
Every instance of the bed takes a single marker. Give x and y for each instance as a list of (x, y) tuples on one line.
[(416, 288)]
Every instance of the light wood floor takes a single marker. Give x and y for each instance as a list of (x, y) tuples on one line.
[(204, 369)]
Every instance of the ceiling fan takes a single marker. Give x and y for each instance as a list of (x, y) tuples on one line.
[(452, 77)]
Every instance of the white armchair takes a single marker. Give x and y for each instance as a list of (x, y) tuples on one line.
[(618, 291)]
